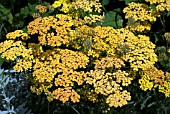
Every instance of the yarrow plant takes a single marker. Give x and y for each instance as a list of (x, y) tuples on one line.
[(72, 58)]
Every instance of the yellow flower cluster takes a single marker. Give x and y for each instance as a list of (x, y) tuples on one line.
[(56, 61), (161, 5), (93, 39), (92, 18), (63, 94), (11, 50), (145, 83), (59, 65), (151, 78), (139, 15), (41, 9), (110, 84), (165, 88), (67, 78), (87, 5), (65, 4), (116, 43), (66, 7), (118, 99), (58, 3), (43, 71), (155, 1), (65, 44), (140, 12), (22, 65), (141, 52), (27, 62), (17, 34)]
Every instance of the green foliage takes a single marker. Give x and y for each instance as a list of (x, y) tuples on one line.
[(112, 18), (5, 14), (105, 2)]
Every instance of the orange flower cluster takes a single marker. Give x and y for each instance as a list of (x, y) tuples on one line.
[(167, 76), (154, 74), (53, 31), (63, 94), (41, 9), (109, 62)]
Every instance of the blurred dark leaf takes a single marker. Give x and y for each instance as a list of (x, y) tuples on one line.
[(105, 2)]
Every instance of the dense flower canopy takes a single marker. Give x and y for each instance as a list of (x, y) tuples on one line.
[(70, 51)]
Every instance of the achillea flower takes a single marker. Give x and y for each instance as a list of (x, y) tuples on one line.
[(22, 65), (68, 78), (57, 4), (145, 84), (109, 62), (52, 31), (92, 18), (165, 88), (65, 94), (151, 78), (87, 5), (140, 12), (161, 5), (118, 99), (41, 9), (17, 34), (109, 84), (11, 50)]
